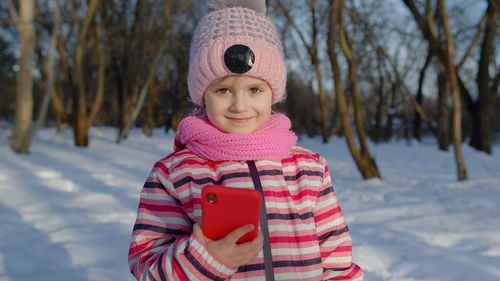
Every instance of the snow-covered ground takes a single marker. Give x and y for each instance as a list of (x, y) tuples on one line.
[(66, 213)]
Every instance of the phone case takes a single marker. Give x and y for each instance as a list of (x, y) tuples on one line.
[(226, 208)]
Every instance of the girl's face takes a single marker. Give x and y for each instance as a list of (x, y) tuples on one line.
[(238, 104)]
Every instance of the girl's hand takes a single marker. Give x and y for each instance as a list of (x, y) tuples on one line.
[(226, 251)]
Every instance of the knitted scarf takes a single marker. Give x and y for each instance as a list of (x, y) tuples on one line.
[(272, 141)]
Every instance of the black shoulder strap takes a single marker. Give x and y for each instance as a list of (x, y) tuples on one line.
[(268, 259)]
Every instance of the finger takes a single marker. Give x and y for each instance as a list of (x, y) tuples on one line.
[(257, 240), (253, 246), (236, 234)]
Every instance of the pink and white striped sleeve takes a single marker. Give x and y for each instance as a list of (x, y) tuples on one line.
[(333, 235), (162, 246)]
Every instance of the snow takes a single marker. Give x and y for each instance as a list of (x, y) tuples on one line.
[(66, 213)]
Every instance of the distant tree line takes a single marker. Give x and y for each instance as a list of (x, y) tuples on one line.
[(363, 70)]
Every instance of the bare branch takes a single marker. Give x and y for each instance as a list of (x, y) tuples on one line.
[(13, 13), (344, 42), (291, 21), (473, 43), (426, 25)]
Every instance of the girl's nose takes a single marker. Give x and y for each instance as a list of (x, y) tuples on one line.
[(239, 103)]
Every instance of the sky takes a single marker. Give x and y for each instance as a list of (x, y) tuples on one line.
[(66, 213)]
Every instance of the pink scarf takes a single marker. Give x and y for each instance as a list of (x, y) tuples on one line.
[(272, 141)]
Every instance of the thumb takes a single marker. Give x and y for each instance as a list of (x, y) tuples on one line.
[(198, 233)]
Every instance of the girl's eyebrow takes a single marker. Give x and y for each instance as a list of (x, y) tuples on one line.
[(257, 84), (218, 86)]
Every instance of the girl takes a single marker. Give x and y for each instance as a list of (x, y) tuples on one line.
[(236, 73)]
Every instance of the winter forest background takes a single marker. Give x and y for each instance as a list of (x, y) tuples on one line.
[(365, 70), (400, 95)]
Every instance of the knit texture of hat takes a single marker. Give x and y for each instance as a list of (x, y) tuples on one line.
[(224, 28)]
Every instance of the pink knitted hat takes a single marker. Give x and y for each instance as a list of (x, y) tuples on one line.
[(236, 41)]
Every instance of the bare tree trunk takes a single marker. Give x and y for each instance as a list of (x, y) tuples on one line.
[(125, 109), (376, 133), (323, 105), (455, 90), (365, 163), (101, 75), (148, 119), (445, 55), (24, 98), (323, 101), (58, 101), (59, 110), (127, 59), (391, 112), (49, 87), (443, 129), (356, 100), (481, 131), (428, 28), (80, 116), (417, 126), (120, 90), (377, 128)]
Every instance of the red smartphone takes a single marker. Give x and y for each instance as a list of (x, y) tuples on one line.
[(226, 208)]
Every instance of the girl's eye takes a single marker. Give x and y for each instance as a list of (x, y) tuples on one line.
[(255, 90), (222, 91)]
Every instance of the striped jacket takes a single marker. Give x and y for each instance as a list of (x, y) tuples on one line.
[(308, 235)]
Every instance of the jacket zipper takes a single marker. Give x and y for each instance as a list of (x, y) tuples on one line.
[(268, 260)]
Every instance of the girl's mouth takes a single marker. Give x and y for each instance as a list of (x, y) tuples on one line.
[(239, 120)]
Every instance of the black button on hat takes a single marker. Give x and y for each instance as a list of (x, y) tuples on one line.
[(239, 58)]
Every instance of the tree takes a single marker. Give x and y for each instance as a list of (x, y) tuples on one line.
[(364, 161), (80, 115), (42, 112), (444, 52), (145, 87), (385, 57), (24, 99), (487, 85), (145, 61), (455, 91), (7, 80), (417, 127), (314, 57)]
